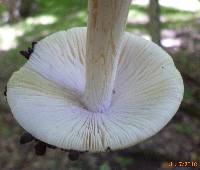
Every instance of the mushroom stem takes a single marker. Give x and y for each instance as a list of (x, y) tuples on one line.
[(106, 23)]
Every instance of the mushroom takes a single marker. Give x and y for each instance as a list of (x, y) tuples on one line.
[(94, 88)]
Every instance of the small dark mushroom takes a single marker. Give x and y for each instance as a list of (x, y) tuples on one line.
[(51, 146), (64, 150), (27, 53), (5, 91), (40, 148), (108, 149), (26, 137), (33, 44)]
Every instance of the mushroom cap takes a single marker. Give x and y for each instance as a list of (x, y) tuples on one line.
[(45, 94)]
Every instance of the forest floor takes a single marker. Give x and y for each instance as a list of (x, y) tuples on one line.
[(179, 141)]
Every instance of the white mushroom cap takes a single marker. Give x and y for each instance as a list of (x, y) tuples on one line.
[(45, 95)]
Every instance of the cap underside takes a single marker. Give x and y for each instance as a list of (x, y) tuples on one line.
[(45, 95)]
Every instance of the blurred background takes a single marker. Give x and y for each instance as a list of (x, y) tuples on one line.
[(173, 24)]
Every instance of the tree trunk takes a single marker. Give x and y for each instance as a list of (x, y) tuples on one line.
[(154, 21), (26, 8), (18, 9), (13, 9)]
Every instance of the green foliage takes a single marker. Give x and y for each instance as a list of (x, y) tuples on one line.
[(124, 161), (104, 166), (67, 14), (5, 130), (2, 8), (188, 95), (60, 7), (183, 128)]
